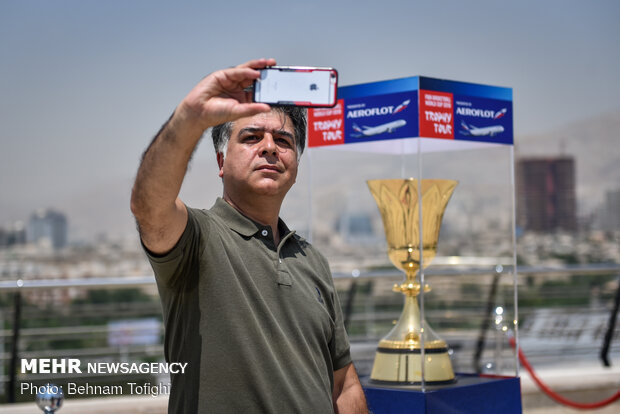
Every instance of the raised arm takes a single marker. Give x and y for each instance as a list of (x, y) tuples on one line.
[(218, 98)]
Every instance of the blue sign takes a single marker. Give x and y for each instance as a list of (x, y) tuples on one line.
[(381, 117), (415, 107), (480, 119)]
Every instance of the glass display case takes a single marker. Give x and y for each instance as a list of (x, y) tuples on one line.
[(411, 181)]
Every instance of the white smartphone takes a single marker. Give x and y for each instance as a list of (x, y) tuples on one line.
[(297, 86)]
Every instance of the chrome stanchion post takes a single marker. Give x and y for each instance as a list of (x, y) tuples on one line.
[(50, 398)]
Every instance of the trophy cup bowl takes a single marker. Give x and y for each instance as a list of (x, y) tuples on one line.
[(398, 357)]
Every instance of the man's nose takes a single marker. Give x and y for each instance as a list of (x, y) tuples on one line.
[(268, 145)]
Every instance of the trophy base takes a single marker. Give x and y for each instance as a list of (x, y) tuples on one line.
[(404, 367)]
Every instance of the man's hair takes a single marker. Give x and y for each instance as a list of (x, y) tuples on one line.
[(297, 115)]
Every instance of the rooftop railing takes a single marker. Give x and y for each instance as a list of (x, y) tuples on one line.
[(565, 313)]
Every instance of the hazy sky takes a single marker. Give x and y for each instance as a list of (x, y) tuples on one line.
[(85, 84)]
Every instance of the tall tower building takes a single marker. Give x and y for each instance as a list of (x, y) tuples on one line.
[(611, 213), (546, 194), (48, 226), (14, 234)]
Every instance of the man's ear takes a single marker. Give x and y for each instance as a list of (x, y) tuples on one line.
[(220, 163)]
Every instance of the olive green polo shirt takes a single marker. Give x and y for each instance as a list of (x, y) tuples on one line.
[(259, 325)]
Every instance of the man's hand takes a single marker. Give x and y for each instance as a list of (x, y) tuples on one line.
[(222, 95)]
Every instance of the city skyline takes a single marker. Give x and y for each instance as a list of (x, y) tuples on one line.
[(87, 84)]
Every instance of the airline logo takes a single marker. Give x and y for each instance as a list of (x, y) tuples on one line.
[(481, 119), (500, 114), (480, 113), (383, 110), (402, 106), (381, 117)]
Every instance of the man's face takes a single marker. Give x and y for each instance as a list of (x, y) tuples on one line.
[(261, 158)]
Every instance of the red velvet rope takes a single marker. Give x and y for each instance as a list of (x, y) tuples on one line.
[(555, 396)]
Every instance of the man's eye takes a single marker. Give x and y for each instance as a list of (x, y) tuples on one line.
[(284, 141)]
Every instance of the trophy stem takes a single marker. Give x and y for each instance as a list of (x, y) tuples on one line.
[(410, 287)]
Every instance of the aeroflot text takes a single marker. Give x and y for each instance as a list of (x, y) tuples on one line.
[(72, 365), (479, 113), (359, 113)]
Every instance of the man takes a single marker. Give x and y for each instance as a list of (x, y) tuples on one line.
[(249, 305)]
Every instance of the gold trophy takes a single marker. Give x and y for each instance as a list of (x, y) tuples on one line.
[(398, 357)]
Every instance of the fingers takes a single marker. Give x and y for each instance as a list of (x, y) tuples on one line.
[(232, 83), (242, 76), (223, 95), (258, 63)]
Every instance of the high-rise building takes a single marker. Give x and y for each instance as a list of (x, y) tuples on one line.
[(14, 234), (546, 194), (611, 213), (356, 228), (48, 226)]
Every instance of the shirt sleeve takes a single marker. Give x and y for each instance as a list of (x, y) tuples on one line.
[(178, 269), (340, 348)]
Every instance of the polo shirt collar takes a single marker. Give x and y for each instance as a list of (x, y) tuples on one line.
[(243, 225)]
